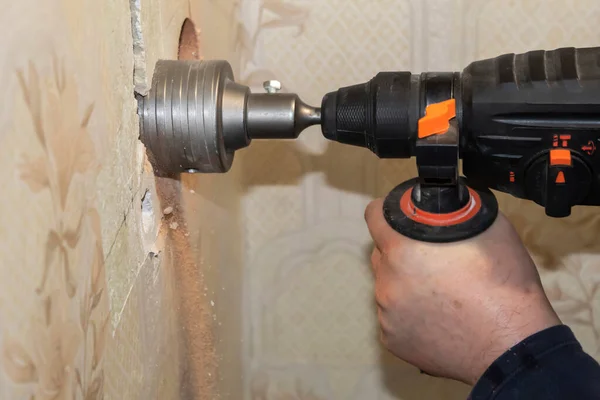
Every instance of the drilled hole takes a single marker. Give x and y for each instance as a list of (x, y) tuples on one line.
[(189, 48)]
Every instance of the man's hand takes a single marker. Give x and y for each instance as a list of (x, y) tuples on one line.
[(452, 309)]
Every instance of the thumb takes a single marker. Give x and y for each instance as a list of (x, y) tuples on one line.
[(382, 233)]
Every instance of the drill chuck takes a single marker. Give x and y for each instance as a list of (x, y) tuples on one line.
[(383, 114)]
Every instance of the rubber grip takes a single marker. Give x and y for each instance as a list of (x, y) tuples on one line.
[(375, 115)]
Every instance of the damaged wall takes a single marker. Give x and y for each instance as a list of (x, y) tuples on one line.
[(95, 252)]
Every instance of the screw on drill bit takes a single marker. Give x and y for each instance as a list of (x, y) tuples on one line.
[(272, 86)]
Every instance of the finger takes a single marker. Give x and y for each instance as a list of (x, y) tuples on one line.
[(383, 329), (383, 338), (375, 260), (381, 232), (375, 256)]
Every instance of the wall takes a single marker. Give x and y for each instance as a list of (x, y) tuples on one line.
[(310, 322), (102, 295)]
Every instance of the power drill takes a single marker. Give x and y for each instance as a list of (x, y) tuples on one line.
[(525, 124)]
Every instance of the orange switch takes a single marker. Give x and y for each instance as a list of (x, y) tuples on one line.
[(560, 178), (560, 157), (437, 118)]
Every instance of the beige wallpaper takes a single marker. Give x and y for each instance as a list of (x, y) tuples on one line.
[(310, 326), (54, 301), (113, 285)]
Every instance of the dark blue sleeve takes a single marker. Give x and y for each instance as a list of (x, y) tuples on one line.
[(550, 365)]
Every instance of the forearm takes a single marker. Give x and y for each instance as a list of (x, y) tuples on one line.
[(549, 365)]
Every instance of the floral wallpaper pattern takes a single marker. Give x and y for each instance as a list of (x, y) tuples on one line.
[(59, 353), (309, 327), (82, 222)]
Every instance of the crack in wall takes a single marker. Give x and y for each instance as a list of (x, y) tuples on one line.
[(117, 233), (130, 206), (140, 72)]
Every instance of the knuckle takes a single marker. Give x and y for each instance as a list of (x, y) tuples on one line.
[(385, 334), (391, 254), (371, 210), (384, 296), (379, 299), (383, 338), (383, 329), (375, 258), (386, 257), (368, 211)]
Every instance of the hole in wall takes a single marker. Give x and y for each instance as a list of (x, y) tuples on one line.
[(189, 46)]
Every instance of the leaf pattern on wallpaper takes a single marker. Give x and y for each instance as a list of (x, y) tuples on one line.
[(68, 150), (59, 353), (268, 14), (53, 346)]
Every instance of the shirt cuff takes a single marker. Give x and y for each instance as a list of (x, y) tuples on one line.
[(524, 356)]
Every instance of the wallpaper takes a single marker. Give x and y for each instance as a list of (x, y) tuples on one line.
[(113, 284), (54, 300), (71, 308), (310, 328)]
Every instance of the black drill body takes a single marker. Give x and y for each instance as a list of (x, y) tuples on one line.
[(525, 124), (528, 124)]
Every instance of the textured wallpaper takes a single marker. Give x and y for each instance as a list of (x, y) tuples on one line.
[(104, 295), (310, 327)]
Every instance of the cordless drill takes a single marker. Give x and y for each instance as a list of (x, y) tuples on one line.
[(525, 124)]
